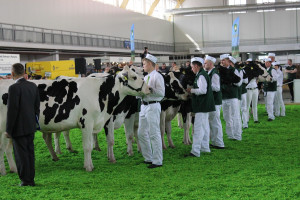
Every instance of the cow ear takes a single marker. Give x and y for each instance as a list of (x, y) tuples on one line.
[(125, 75)]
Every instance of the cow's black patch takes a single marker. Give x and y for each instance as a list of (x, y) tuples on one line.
[(69, 104), (113, 100), (185, 108), (43, 92), (49, 112), (165, 104), (106, 127), (134, 106), (177, 89), (5, 98), (105, 89), (82, 122), (58, 90), (84, 111), (125, 105)]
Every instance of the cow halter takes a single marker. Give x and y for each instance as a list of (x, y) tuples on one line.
[(126, 84)]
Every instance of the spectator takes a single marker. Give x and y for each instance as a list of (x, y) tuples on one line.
[(292, 71), (164, 68)]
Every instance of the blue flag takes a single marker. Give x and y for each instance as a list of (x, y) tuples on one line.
[(132, 48), (235, 33)]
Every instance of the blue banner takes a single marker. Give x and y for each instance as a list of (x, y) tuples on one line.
[(235, 37), (132, 48)]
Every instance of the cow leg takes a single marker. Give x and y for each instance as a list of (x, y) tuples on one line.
[(95, 142), (2, 149), (110, 139), (186, 127), (136, 127), (56, 143), (68, 142), (163, 128), (87, 143), (48, 140), (169, 131), (179, 121), (9, 156), (129, 132)]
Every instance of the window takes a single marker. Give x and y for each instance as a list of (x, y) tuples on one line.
[(264, 1), (236, 2)]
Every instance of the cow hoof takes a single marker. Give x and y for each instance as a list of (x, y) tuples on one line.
[(172, 146), (113, 161), (13, 171), (89, 169), (58, 152), (72, 151)]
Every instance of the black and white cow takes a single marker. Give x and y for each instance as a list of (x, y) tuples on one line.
[(170, 105), (82, 103)]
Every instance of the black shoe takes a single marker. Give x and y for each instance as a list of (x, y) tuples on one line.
[(147, 162), (256, 122), (216, 147), (154, 166), (245, 127), (26, 184), (270, 119), (189, 155)]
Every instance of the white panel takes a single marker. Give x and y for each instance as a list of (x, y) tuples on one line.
[(297, 90), (251, 26), (217, 27), (280, 24), (202, 3)]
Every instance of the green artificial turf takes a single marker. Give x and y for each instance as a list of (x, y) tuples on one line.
[(264, 165)]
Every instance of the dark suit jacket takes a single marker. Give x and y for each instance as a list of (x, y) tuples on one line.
[(23, 106)]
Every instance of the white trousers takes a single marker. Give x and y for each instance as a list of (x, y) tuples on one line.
[(201, 134), (279, 103), (252, 96), (149, 133), (244, 110), (269, 101), (216, 132), (232, 117)]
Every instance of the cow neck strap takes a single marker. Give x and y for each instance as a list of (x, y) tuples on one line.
[(126, 84)]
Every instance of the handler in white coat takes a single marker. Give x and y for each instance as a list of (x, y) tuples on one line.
[(202, 104), (216, 132), (149, 118), (279, 107)]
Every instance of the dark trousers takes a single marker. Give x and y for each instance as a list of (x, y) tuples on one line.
[(24, 155), (291, 87)]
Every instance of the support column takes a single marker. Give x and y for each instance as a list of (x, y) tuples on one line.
[(56, 56)]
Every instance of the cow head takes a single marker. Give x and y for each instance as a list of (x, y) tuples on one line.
[(131, 83), (265, 76), (173, 88)]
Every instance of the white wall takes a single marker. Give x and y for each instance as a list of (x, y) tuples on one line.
[(85, 16), (202, 3), (217, 26)]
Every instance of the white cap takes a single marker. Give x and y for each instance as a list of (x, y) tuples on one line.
[(271, 54), (198, 59), (268, 60), (275, 63), (232, 59), (212, 59), (249, 60), (223, 56), (151, 58)]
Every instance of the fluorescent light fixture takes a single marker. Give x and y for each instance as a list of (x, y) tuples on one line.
[(192, 15), (271, 10), (193, 41), (288, 9), (238, 12), (248, 53)]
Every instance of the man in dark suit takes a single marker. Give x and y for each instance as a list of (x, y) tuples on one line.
[(23, 110)]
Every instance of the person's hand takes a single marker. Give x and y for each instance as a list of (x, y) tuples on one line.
[(7, 135), (188, 90)]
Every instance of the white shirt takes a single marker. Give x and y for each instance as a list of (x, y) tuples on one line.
[(274, 74), (252, 83), (215, 81), (279, 77), (245, 80), (202, 84), (156, 82)]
